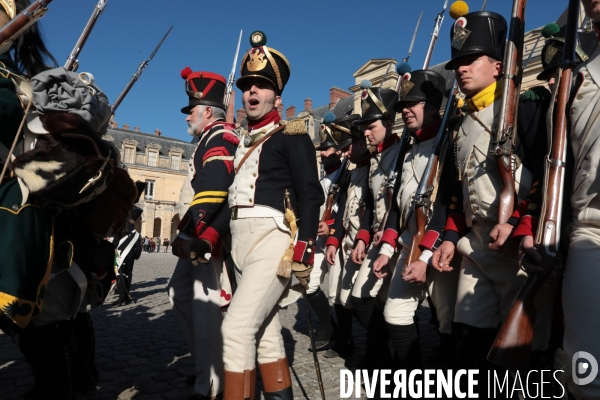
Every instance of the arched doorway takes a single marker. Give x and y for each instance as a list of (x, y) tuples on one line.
[(174, 224), (157, 227)]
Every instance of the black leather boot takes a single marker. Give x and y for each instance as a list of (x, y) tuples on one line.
[(344, 344), (318, 301), (86, 370)]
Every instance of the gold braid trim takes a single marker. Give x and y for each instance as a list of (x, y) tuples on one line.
[(275, 67), (285, 266)]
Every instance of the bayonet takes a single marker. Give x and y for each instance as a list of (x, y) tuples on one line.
[(385, 75), (73, 62), (434, 36), (484, 4), (137, 74), (232, 75), (412, 43)]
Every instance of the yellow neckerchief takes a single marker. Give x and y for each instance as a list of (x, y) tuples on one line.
[(485, 98)]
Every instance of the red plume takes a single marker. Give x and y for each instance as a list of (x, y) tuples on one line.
[(186, 72)]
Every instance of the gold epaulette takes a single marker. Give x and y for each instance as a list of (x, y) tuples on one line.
[(294, 127)]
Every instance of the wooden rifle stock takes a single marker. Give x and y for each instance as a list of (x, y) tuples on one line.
[(507, 130), (512, 347), (328, 208), (23, 20)]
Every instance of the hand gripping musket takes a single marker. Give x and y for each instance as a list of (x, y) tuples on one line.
[(137, 74), (506, 135), (512, 346), (390, 180), (434, 35), (23, 20), (291, 219), (334, 188), (231, 78), (424, 194), (72, 62)]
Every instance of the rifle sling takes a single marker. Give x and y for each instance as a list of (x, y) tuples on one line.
[(258, 142)]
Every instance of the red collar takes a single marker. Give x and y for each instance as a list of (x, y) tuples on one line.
[(272, 116), (332, 168), (217, 122), (428, 132), (387, 143)]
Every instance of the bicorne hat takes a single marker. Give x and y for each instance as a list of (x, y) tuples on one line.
[(378, 103), (265, 63)]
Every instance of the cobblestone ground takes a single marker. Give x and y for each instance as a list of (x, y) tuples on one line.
[(141, 353)]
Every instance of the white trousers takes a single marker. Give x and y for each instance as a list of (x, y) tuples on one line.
[(404, 298), (194, 293), (252, 319), (348, 274), (489, 282), (367, 285), (581, 298)]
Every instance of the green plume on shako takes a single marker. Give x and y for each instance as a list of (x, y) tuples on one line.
[(550, 30)]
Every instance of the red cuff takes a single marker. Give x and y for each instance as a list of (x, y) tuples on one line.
[(304, 252), (199, 228), (428, 241), (363, 235), (527, 227), (332, 241), (390, 236), (457, 223), (330, 221), (521, 209), (211, 236)]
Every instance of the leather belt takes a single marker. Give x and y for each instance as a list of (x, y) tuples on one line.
[(255, 212)]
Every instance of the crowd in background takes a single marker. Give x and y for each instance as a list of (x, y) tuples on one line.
[(153, 245)]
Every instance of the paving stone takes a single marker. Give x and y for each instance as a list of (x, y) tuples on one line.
[(141, 353)]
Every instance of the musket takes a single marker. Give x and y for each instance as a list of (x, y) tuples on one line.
[(512, 347), (484, 4), (385, 75), (334, 188), (526, 63), (232, 75), (506, 134), (412, 43), (137, 74), (23, 20), (434, 36), (72, 62), (423, 195)]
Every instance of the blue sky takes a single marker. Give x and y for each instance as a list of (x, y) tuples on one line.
[(325, 41)]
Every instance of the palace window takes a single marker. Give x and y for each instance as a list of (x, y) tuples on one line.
[(149, 189), (153, 159), (176, 161), (129, 155)]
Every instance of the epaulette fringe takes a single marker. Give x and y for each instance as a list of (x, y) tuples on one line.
[(295, 127)]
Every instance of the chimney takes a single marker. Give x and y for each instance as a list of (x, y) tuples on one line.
[(308, 105), (126, 126), (157, 132), (240, 115), (336, 94), (280, 110), (290, 112), (230, 107), (114, 124), (137, 128)]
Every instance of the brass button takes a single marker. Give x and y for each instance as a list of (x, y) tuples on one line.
[(573, 110), (15, 207), (254, 174), (472, 201), (586, 84), (258, 151), (250, 200), (579, 96), (251, 186), (310, 242), (471, 192), (309, 250)]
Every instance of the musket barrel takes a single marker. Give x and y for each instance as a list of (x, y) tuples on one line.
[(72, 61)]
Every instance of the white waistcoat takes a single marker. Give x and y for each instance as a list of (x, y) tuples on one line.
[(356, 191), (481, 183), (381, 164)]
